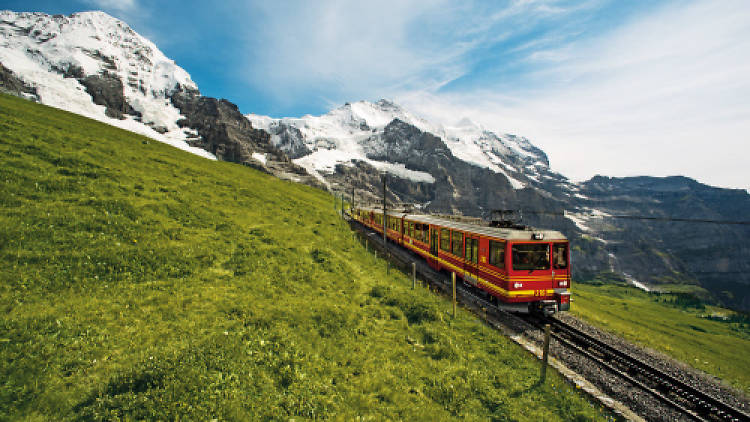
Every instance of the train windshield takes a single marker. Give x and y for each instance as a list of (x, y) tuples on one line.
[(530, 256)]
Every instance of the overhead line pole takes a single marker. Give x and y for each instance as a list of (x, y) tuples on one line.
[(385, 217)]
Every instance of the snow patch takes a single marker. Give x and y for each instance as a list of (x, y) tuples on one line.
[(578, 220), (326, 160), (401, 171), (260, 157), (635, 282), (260, 122)]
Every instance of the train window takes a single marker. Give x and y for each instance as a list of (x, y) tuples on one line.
[(497, 254), (458, 243), (471, 249), (530, 256), (560, 255), (445, 240)]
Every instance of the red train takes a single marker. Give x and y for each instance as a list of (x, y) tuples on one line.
[(518, 267)]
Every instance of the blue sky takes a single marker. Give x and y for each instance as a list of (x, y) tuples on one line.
[(619, 88)]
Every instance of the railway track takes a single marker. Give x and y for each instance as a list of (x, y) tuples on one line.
[(673, 393), (668, 389)]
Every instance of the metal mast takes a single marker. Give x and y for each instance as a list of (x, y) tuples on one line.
[(385, 217)]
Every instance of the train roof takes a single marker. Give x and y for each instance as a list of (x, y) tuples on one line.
[(496, 232)]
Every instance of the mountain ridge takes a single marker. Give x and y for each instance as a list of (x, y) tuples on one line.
[(95, 65)]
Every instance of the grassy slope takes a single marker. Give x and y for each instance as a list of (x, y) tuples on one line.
[(140, 281), (718, 348)]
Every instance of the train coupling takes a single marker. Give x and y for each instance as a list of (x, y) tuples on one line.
[(544, 307)]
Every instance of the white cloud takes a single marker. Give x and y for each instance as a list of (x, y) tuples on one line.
[(118, 5), (664, 94), (362, 50)]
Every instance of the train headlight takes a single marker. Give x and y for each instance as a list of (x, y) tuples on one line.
[(518, 285)]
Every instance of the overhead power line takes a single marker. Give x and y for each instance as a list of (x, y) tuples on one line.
[(640, 217)]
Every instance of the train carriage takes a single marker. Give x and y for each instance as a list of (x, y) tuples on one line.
[(519, 267)]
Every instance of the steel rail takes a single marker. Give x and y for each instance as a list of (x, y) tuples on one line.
[(657, 382)]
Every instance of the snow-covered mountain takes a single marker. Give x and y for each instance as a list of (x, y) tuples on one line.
[(95, 65), (354, 132)]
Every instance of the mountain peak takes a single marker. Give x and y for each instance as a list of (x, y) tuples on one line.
[(97, 15), (355, 132), (467, 123), (95, 65), (387, 103)]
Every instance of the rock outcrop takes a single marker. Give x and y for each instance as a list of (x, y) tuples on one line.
[(107, 90), (11, 84), (223, 131)]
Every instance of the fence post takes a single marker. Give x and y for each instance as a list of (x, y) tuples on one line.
[(453, 282), (413, 275), (545, 352)]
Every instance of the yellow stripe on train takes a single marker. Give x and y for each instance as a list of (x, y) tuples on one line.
[(499, 290)]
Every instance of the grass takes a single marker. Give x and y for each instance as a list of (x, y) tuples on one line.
[(685, 329), (142, 282)]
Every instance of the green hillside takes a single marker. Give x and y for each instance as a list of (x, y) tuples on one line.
[(709, 338), (142, 282)]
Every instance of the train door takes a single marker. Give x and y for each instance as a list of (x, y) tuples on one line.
[(471, 258), (466, 274), (433, 247)]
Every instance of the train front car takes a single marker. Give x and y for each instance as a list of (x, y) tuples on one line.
[(520, 267), (539, 270)]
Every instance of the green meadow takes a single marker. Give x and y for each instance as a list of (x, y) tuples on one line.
[(142, 282), (708, 338)]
